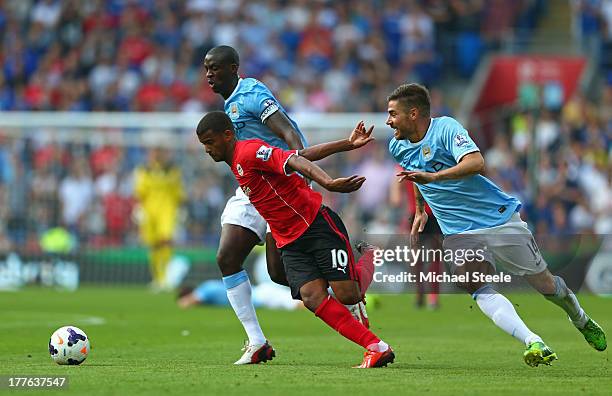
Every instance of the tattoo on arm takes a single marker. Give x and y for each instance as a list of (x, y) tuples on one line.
[(420, 201)]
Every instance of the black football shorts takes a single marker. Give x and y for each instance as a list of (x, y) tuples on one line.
[(323, 251)]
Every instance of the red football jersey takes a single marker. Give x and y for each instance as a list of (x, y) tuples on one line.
[(286, 201)]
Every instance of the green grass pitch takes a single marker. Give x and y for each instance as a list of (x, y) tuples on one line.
[(139, 347)]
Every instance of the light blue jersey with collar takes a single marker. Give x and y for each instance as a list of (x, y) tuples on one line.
[(460, 205), (249, 106)]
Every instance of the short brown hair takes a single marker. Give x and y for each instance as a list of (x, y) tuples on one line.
[(412, 95)]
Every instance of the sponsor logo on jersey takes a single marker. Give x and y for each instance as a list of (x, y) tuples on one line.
[(239, 169), (270, 107), (234, 114), (426, 152), (460, 140), (264, 153)]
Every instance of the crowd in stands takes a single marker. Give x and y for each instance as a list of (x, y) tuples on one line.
[(145, 55), (88, 189), (569, 189), (592, 20)]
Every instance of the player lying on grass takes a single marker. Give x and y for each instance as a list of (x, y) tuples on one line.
[(312, 239), (266, 293), (212, 292), (445, 163)]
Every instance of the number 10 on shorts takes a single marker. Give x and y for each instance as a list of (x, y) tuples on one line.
[(339, 259)]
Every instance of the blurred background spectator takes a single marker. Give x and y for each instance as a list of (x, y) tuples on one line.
[(145, 55), (317, 56)]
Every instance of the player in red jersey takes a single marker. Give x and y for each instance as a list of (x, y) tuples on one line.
[(312, 239)]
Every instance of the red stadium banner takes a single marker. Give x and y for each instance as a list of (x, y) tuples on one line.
[(508, 73)]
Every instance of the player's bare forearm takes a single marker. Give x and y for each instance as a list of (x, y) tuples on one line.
[(284, 129), (418, 198), (314, 172), (324, 150), (420, 216), (359, 137), (308, 169), (469, 165)]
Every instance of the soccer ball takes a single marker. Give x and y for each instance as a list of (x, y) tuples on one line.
[(69, 345)]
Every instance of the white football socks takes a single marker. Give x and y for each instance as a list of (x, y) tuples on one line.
[(381, 346), (501, 311), (566, 299), (238, 288)]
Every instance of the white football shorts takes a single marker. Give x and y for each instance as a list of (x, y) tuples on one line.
[(511, 245), (241, 212)]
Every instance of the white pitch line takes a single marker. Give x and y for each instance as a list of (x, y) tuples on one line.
[(81, 320)]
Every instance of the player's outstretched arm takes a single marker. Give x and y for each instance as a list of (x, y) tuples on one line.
[(283, 128), (359, 137), (469, 165), (314, 172)]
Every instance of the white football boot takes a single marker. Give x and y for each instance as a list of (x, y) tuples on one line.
[(257, 353)]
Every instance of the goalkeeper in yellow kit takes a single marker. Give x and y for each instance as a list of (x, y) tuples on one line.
[(159, 191)]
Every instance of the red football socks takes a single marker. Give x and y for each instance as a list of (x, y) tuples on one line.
[(340, 319), (365, 270)]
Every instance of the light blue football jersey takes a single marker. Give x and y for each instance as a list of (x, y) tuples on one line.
[(249, 106), (470, 203)]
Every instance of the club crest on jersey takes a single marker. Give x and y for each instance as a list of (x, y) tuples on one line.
[(426, 152), (234, 114), (460, 140), (264, 153), (246, 190), (239, 169)]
